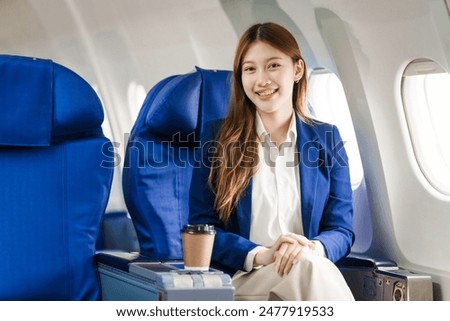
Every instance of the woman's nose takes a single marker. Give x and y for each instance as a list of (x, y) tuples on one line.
[(264, 80), (265, 83), (262, 77)]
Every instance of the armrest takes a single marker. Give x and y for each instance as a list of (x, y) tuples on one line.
[(361, 261), (372, 279), (120, 260), (131, 276)]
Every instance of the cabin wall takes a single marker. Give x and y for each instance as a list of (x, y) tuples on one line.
[(114, 43)]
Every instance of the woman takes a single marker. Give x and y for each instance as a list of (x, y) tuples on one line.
[(275, 183)]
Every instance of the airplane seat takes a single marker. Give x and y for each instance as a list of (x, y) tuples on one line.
[(160, 156), (117, 233), (54, 186)]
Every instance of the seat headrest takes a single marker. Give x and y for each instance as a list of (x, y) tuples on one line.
[(42, 102), (185, 100)]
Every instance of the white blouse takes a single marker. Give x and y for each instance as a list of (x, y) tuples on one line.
[(275, 188), (276, 202)]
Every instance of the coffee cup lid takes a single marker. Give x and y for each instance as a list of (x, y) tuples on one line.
[(199, 229)]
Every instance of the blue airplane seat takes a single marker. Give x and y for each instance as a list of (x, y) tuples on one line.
[(54, 184), (160, 156), (117, 233)]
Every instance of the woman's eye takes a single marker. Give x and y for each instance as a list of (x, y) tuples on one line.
[(249, 69), (273, 65)]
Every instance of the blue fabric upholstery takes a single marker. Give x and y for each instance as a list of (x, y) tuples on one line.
[(117, 233), (160, 156), (32, 83), (53, 189)]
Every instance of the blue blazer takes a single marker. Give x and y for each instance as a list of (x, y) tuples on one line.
[(326, 197)]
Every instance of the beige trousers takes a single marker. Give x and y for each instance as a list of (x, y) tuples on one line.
[(313, 278)]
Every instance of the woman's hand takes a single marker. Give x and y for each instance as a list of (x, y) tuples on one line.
[(267, 255), (289, 254), (284, 253)]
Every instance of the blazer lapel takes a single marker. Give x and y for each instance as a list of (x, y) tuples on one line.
[(244, 211), (308, 152)]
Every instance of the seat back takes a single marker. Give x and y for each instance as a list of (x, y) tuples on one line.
[(160, 156), (53, 187)]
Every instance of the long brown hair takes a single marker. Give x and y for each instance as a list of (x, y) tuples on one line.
[(236, 158)]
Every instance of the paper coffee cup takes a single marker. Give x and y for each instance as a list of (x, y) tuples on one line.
[(198, 241)]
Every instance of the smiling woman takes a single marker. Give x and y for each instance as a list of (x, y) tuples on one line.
[(267, 76), (259, 197)]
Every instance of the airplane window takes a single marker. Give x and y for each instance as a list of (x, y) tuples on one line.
[(329, 104), (136, 96), (426, 101)]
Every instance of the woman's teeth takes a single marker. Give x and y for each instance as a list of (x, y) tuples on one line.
[(267, 92)]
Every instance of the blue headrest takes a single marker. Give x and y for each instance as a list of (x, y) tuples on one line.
[(176, 108), (42, 102)]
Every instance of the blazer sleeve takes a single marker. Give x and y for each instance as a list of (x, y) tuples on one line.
[(336, 225), (230, 249)]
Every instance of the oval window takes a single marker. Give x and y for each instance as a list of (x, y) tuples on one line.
[(426, 102), (329, 104)]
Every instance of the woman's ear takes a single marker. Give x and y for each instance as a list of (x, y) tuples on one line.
[(299, 70)]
